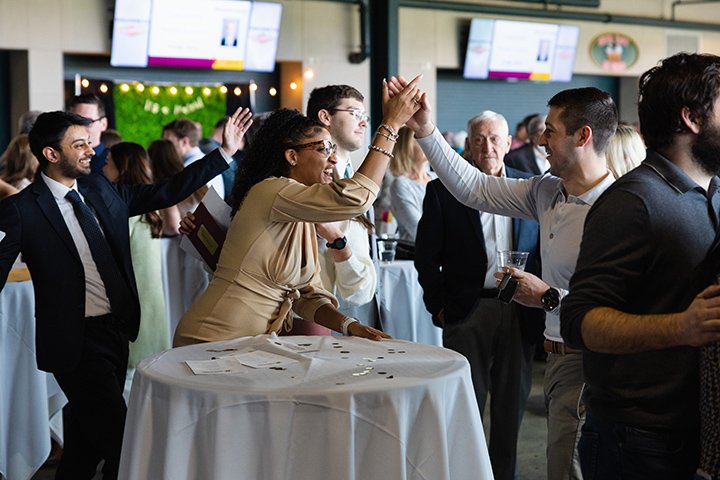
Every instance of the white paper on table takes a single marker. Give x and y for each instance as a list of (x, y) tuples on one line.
[(261, 359), (296, 345), (217, 365), (219, 210)]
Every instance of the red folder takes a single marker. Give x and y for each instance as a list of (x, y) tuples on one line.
[(208, 236)]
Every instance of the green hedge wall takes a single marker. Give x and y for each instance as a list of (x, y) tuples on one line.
[(140, 116)]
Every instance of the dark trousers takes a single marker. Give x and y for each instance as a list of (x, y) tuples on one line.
[(501, 366), (610, 451), (97, 409)]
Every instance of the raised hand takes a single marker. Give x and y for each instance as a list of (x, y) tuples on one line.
[(399, 107), (420, 122), (235, 128)]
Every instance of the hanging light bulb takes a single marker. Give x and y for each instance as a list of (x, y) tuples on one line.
[(206, 91), (155, 90), (103, 88), (173, 90), (140, 87), (253, 86), (85, 82), (189, 90), (293, 86), (309, 73), (272, 91), (237, 91), (223, 89), (123, 88)]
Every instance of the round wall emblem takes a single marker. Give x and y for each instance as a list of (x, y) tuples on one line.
[(614, 52)]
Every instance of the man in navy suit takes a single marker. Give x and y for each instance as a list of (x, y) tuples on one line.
[(531, 157), (71, 228), (455, 256)]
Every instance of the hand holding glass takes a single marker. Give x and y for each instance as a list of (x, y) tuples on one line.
[(512, 258)]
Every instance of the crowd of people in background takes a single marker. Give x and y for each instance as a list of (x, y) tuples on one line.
[(614, 293)]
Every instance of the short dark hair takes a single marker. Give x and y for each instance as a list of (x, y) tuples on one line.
[(49, 130), (89, 99), (588, 106), (184, 127), (684, 80), (329, 97)]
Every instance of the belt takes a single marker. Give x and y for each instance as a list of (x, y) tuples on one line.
[(489, 293), (559, 348), (107, 320)]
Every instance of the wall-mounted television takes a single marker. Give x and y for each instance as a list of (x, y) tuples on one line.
[(217, 34), (520, 50)]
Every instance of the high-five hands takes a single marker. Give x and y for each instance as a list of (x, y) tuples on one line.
[(420, 122)]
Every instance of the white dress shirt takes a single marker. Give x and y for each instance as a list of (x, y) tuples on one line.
[(96, 299)]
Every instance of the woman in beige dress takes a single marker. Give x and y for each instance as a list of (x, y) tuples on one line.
[(268, 266)]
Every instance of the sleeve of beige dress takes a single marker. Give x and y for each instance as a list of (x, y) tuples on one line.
[(340, 200), (312, 297)]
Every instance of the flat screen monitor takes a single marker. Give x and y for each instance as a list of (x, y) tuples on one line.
[(520, 50), (217, 34)]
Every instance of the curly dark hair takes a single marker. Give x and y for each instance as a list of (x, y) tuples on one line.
[(266, 155), (683, 80)]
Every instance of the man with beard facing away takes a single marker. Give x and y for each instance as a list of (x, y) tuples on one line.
[(631, 307)]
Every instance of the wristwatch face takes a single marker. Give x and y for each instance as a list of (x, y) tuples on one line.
[(338, 243), (550, 299)]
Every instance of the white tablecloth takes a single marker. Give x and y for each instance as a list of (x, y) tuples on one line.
[(402, 310), (413, 415), (30, 400)]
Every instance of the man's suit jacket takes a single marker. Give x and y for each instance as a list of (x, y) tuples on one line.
[(523, 159), (451, 260), (35, 227)]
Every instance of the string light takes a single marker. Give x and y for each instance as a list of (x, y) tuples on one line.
[(155, 90), (103, 88), (189, 90), (253, 86), (272, 91), (173, 90), (140, 87), (223, 89), (85, 83), (309, 73), (293, 86), (237, 91), (206, 91), (123, 88)]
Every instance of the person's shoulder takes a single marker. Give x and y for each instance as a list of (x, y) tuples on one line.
[(515, 173)]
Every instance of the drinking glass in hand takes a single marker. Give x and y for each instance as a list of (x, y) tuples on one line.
[(512, 258)]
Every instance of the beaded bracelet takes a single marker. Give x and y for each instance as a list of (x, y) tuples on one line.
[(392, 139), (390, 130), (381, 150), (346, 324)]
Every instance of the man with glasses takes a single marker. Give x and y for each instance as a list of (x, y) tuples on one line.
[(91, 107), (346, 256)]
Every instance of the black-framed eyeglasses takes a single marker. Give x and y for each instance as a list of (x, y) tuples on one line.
[(326, 147), (358, 114)]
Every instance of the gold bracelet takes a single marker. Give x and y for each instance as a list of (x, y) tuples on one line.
[(381, 150), (390, 130), (386, 136)]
